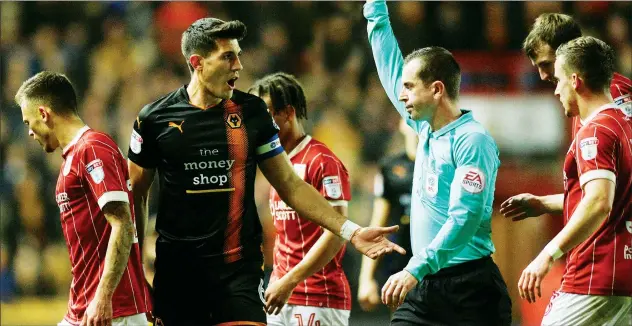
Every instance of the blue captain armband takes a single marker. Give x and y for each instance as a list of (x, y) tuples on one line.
[(272, 147)]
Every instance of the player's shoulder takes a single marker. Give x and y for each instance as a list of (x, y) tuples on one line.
[(620, 85), (319, 151), (162, 103), (246, 99), (96, 139)]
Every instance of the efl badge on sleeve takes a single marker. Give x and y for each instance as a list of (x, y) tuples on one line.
[(588, 147), (136, 142), (95, 168), (625, 104), (333, 187), (432, 184), (473, 181)]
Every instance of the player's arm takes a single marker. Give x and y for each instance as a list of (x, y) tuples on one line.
[(323, 251), (309, 204), (526, 205), (141, 164), (141, 179), (262, 200), (590, 213), (476, 159), (387, 55), (119, 217)]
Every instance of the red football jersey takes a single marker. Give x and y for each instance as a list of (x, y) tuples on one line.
[(93, 173), (602, 149), (318, 166), (621, 91)]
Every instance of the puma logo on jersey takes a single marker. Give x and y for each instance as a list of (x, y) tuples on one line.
[(175, 125)]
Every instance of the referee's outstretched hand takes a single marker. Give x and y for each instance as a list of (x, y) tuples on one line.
[(371, 241)]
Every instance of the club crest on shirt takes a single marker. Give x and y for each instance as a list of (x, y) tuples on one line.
[(473, 181), (136, 143), (95, 168), (628, 225), (333, 187), (588, 147)]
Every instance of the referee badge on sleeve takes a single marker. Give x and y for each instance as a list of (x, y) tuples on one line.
[(136, 142)]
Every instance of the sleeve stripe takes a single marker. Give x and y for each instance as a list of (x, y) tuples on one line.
[(270, 145), (597, 174), (342, 203), (113, 196)]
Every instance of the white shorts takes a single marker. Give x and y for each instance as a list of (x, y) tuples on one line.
[(589, 310), (293, 315), (133, 320)]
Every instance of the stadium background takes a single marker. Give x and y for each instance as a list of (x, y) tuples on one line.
[(122, 55)]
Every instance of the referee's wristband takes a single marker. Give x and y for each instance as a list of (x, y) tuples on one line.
[(554, 251), (348, 229)]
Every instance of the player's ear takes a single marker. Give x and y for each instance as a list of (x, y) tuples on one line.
[(438, 89), (44, 113), (195, 60), (576, 81), (290, 112)]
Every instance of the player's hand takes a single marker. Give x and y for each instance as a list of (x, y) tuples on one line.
[(395, 290), (99, 312), (368, 295), (277, 294), (532, 277), (522, 206), (371, 242)]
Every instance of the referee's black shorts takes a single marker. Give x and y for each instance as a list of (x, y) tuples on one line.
[(472, 293), (190, 290)]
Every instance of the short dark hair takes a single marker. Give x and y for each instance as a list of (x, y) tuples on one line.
[(283, 89), (439, 64), (50, 88), (201, 36), (591, 58), (553, 29)]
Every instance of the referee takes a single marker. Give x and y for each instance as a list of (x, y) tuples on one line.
[(451, 278)]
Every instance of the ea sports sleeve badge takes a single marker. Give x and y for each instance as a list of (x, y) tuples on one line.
[(473, 180)]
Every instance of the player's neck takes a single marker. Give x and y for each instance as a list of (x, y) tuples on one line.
[(590, 103), (199, 96), (446, 112), (293, 138), (67, 130)]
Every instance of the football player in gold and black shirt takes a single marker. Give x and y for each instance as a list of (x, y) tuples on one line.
[(206, 140)]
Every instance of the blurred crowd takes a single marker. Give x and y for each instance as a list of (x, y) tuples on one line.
[(123, 55)]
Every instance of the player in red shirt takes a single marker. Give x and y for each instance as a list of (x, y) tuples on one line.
[(94, 198), (596, 287), (549, 31), (308, 272)]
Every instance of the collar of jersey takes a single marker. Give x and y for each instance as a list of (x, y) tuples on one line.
[(466, 116), (75, 139), (301, 146), (599, 110)]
